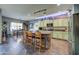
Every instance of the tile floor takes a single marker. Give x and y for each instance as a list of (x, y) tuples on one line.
[(13, 47), (16, 47)]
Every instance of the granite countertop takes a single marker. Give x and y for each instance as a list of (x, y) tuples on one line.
[(46, 32)]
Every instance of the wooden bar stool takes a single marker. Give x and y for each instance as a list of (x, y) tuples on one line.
[(38, 41), (29, 38)]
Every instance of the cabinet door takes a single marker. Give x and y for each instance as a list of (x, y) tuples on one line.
[(76, 31)]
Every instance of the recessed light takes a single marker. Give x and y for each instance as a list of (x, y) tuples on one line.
[(58, 4)]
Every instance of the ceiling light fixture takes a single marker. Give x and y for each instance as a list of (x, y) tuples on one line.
[(53, 15)]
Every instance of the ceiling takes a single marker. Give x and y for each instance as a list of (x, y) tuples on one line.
[(22, 11)]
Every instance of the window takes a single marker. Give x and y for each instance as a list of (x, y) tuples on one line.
[(16, 26)]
